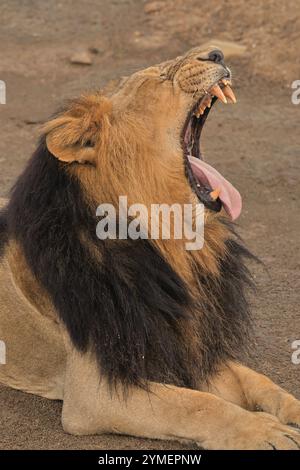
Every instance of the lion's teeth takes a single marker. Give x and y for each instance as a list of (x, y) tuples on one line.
[(200, 111), (205, 103), (216, 90), (215, 194), (225, 81), (227, 91)]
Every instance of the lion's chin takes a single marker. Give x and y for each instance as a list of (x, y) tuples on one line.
[(211, 188)]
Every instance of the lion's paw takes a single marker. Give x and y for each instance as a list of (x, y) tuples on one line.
[(259, 431), (289, 412)]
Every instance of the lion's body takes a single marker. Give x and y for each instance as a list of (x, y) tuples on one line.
[(137, 314), (35, 353)]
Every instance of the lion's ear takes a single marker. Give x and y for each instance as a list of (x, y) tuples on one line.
[(72, 136), (76, 152)]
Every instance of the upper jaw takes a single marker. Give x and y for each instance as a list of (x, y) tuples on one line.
[(219, 88)]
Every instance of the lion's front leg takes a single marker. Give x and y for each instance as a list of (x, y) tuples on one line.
[(165, 412), (251, 390)]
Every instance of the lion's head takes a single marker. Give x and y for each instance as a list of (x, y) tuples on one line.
[(144, 138)]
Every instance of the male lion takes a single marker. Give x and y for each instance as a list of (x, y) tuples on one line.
[(161, 326)]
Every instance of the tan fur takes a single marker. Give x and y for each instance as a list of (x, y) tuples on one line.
[(35, 353), (172, 413), (135, 145)]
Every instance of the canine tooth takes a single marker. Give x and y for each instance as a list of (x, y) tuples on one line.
[(215, 194), (229, 93), (216, 90)]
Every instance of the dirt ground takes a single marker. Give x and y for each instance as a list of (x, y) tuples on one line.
[(255, 144)]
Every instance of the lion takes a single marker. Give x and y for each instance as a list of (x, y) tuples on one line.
[(138, 337)]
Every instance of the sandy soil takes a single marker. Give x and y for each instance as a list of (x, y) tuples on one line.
[(255, 144)]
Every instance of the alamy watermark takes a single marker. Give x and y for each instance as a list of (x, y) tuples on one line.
[(160, 221), (296, 353), (2, 353), (2, 92), (296, 92)]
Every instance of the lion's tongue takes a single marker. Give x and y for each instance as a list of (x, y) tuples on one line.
[(230, 197)]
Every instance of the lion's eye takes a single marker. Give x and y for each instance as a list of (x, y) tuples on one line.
[(215, 56)]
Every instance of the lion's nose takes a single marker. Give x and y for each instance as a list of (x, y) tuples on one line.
[(216, 56)]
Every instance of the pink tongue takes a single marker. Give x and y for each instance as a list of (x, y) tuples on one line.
[(230, 197)]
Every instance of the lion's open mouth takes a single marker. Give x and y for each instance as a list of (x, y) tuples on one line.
[(212, 189)]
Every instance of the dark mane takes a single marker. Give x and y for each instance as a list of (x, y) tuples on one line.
[(130, 308)]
